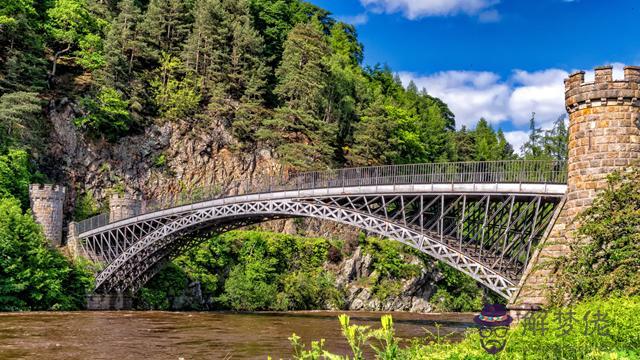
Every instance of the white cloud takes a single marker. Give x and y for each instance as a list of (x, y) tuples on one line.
[(473, 94), (516, 138), (414, 9), (359, 19)]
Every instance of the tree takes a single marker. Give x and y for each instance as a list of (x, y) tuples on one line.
[(123, 45), (32, 276), (166, 26), (226, 51), (533, 149), (15, 176), (391, 135), (20, 119), (69, 21), (464, 145), (22, 64), (107, 115), (489, 144), (556, 139), (176, 95), (302, 75), (301, 137)]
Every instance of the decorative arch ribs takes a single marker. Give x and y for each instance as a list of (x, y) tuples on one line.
[(489, 237)]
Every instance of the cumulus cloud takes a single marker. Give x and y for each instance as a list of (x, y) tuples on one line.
[(414, 9), (516, 139), (474, 94), (511, 100)]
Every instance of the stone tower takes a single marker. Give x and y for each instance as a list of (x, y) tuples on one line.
[(125, 206), (604, 136), (47, 203)]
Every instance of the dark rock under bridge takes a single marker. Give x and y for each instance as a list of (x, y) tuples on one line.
[(482, 218)]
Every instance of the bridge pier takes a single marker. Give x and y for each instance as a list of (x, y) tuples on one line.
[(118, 301), (604, 137)]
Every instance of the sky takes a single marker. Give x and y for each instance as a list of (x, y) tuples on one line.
[(497, 59)]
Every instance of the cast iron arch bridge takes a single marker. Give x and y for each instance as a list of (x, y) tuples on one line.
[(482, 218)]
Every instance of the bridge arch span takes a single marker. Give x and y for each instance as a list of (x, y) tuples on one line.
[(487, 229)]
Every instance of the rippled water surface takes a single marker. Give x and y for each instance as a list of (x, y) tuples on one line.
[(189, 335)]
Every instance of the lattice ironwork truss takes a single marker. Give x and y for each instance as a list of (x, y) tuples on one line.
[(489, 237)]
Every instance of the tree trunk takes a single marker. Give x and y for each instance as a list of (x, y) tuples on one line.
[(56, 57)]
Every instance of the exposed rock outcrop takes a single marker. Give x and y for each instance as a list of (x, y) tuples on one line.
[(353, 275)]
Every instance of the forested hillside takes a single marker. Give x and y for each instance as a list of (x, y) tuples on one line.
[(283, 74), (129, 84)]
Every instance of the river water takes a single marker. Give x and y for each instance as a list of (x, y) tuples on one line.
[(191, 335)]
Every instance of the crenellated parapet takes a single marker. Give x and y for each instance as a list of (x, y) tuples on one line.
[(47, 205), (124, 206), (603, 90)]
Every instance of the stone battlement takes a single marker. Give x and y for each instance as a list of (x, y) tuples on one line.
[(124, 206), (603, 91), (47, 191)]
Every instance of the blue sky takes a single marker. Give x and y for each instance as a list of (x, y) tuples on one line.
[(500, 59)]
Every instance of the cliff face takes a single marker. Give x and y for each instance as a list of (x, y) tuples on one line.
[(167, 158)]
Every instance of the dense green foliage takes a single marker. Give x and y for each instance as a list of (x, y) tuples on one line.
[(32, 276), (281, 73), (250, 270), (605, 260), (257, 270), (623, 325)]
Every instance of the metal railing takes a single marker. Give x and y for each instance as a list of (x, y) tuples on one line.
[(508, 171)]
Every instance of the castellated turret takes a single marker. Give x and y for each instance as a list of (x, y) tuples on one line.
[(47, 204), (124, 206), (604, 137), (603, 131)]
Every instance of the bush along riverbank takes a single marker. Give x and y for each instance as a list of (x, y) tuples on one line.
[(258, 270)]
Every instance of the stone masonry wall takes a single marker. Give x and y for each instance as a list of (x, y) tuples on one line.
[(47, 203), (123, 207), (603, 137)]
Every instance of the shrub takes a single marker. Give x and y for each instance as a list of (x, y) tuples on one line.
[(605, 260), (106, 116), (33, 276)]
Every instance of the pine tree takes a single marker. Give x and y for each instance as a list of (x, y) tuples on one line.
[(464, 145), (555, 140), (301, 137), (22, 62), (123, 45), (302, 75), (207, 49), (165, 26), (533, 149), (20, 119), (226, 52)]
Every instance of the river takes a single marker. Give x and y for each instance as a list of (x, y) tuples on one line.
[(190, 335)]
